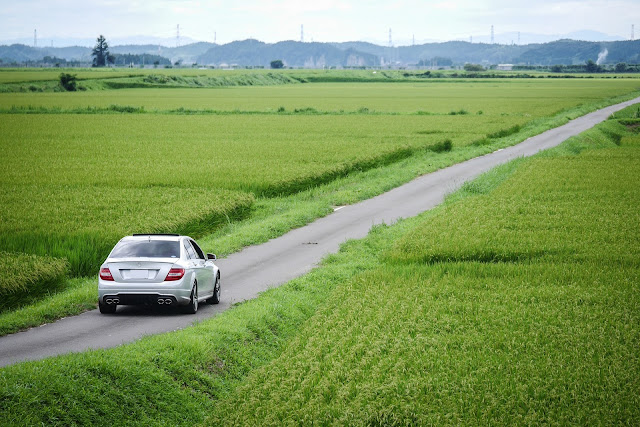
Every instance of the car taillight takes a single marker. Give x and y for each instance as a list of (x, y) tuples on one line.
[(105, 274), (174, 274)]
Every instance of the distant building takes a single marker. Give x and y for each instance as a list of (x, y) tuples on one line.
[(505, 67)]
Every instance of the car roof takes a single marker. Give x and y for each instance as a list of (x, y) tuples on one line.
[(167, 237)]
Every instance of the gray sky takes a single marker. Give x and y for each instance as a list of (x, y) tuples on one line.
[(324, 20)]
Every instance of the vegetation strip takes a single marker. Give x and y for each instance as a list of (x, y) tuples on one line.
[(309, 111), (393, 337)]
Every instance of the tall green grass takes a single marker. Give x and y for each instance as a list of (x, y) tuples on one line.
[(28, 278), (71, 190), (515, 304), (81, 224)]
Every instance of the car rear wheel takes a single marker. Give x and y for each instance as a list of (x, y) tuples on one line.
[(192, 308), (107, 308), (215, 298)]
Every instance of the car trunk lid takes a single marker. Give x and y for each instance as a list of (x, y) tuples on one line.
[(151, 270)]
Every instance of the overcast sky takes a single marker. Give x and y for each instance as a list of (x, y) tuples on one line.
[(324, 20)]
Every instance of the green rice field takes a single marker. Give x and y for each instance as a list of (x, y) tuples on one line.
[(514, 302), (527, 98), (517, 304), (83, 169)]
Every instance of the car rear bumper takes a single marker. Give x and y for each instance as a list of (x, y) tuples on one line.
[(179, 293), (143, 299)]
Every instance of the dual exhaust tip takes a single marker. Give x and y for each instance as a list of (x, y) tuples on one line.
[(161, 301)]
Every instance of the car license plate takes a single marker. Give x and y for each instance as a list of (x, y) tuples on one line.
[(139, 274)]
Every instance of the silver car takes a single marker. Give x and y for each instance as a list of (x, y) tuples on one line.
[(158, 269)]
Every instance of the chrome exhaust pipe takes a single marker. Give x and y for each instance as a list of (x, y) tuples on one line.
[(160, 301), (168, 301)]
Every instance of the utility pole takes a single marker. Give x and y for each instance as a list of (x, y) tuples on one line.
[(518, 37), (390, 42), (215, 36), (492, 34), (413, 43), (632, 35), (35, 38), (301, 33), (178, 35)]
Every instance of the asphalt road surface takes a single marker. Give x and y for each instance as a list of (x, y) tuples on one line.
[(247, 273)]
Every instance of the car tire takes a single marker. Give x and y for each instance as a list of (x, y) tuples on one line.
[(215, 298), (107, 308), (192, 307)]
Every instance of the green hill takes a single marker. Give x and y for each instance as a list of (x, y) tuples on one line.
[(353, 54)]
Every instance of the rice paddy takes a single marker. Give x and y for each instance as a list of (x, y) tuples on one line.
[(515, 302), (73, 183)]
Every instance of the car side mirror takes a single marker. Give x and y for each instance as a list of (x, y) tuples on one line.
[(211, 256)]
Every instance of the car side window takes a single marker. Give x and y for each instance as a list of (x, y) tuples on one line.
[(199, 252), (190, 252)]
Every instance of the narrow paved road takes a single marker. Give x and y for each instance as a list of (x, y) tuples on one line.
[(255, 269)]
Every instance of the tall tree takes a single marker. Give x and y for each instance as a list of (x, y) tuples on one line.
[(591, 67), (100, 53)]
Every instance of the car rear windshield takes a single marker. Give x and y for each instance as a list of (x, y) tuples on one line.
[(146, 249)]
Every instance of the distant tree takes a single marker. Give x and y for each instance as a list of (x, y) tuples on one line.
[(621, 67), (556, 68), (440, 61), (68, 81), (277, 64), (591, 67), (473, 67), (100, 53)]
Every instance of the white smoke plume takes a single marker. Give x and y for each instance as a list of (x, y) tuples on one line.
[(602, 56)]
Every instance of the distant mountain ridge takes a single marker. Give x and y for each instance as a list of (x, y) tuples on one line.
[(353, 54)]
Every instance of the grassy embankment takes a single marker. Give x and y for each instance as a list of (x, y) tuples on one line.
[(89, 79), (514, 302), (89, 182)]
